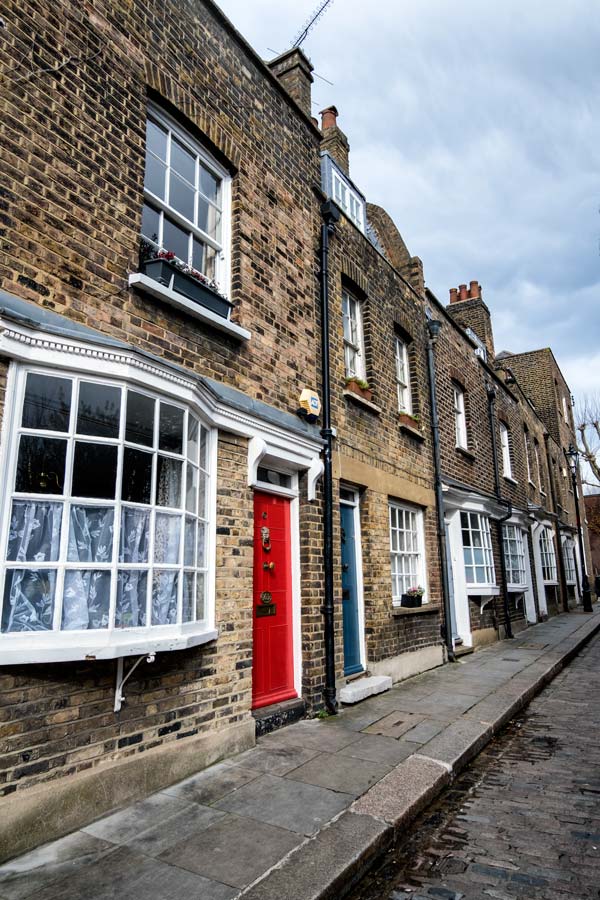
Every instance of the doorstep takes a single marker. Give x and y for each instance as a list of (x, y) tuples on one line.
[(365, 687), (270, 718)]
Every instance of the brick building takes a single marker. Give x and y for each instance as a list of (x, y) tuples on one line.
[(161, 527)]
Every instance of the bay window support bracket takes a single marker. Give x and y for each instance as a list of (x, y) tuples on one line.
[(121, 679)]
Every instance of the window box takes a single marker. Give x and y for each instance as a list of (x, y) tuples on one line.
[(410, 601), (167, 273), (365, 392)]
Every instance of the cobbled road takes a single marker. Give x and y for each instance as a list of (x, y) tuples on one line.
[(524, 819)]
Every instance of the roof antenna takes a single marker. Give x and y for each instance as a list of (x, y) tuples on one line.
[(311, 22)]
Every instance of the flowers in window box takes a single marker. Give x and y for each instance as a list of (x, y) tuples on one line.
[(360, 387), (409, 421), (166, 268), (413, 597)]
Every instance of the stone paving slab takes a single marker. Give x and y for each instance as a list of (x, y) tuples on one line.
[(305, 812)]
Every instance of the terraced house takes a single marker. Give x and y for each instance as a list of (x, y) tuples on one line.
[(243, 464)]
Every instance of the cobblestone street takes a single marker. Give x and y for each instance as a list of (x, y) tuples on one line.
[(524, 819)]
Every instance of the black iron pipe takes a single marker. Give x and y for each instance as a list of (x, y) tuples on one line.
[(330, 215), (491, 396), (433, 329)]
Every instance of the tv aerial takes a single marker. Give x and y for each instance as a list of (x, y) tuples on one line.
[(311, 22)]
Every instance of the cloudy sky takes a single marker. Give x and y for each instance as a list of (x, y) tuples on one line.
[(477, 126)]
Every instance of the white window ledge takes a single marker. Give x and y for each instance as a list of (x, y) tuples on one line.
[(482, 590), (148, 285), (56, 647), (516, 588)]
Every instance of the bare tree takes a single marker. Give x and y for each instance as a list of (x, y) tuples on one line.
[(587, 425)]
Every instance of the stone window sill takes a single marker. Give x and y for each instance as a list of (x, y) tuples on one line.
[(412, 432), (426, 609), (510, 479), (360, 401), (466, 453), (154, 289)]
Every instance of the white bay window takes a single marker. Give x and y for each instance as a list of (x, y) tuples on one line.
[(105, 516), (477, 550), (514, 556)]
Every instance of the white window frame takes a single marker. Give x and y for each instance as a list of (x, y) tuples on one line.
[(548, 556), (349, 200), (538, 466), (222, 246), (514, 556), (61, 645), (408, 566), (570, 560), (477, 526), (505, 446), (527, 443), (403, 386), (460, 417), (354, 342), (565, 409)]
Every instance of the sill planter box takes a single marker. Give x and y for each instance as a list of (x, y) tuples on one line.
[(168, 274), (409, 421), (365, 392), (411, 601)]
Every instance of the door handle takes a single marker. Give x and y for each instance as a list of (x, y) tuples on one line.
[(345, 567), (269, 566)]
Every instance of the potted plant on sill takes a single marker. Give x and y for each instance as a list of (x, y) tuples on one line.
[(409, 421), (163, 266), (413, 597), (360, 387)]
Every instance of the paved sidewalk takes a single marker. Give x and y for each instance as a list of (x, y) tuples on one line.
[(300, 816)]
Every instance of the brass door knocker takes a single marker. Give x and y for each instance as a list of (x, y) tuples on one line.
[(266, 539)]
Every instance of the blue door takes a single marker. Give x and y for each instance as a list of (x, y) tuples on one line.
[(352, 662)]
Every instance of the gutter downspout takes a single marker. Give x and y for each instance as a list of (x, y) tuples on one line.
[(433, 327), (491, 395), (331, 215)]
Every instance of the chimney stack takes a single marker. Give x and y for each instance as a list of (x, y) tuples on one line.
[(294, 71), (469, 311), (334, 140)]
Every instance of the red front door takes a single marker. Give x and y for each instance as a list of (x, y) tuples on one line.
[(273, 658)]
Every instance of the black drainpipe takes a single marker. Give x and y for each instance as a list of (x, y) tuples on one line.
[(330, 215), (433, 327), (491, 395)]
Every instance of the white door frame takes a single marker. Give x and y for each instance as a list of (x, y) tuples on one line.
[(462, 613)]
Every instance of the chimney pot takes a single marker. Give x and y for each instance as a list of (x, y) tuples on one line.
[(328, 117), (453, 295), (462, 289), (474, 290)]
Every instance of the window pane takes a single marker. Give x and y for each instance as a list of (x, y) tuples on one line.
[(209, 219), (154, 180), (183, 162), (198, 254), (181, 196), (132, 591), (139, 426), (203, 481), (170, 432), (47, 403), (201, 558), (91, 534), (203, 447), (99, 410), (189, 542), (191, 488), (136, 486), (41, 465), (28, 600), (150, 223), (200, 597), (176, 239), (209, 185), (168, 482), (192, 438), (166, 538), (94, 471), (34, 534), (86, 600), (164, 598), (156, 139), (135, 535), (187, 614)]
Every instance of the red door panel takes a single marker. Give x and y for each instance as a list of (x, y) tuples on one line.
[(273, 656)]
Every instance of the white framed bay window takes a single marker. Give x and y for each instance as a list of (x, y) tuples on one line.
[(477, 550), (514, 556), (548, 556), (106, 519), (407, 550)]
